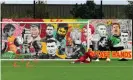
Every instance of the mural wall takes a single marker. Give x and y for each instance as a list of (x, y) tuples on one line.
[(112, 38), (108, 38)]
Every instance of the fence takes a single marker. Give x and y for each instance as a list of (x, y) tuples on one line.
[(57, 11)]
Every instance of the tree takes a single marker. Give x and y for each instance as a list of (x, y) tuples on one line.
[(40, 2), (129, 10), (3, 2), (41, 10), (89, 10)]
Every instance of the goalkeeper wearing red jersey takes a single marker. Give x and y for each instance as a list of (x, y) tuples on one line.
[(83, 59)]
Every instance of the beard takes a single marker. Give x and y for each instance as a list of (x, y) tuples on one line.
[(116, 34), (60, 37)]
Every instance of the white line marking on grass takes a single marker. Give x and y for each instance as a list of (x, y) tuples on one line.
[(38, 59), (78, 66)]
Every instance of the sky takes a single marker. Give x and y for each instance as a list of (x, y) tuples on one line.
[(105, 2)]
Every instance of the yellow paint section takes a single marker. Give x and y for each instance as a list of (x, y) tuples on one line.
[(70, 26), (44, 48), (61, 56), (11, 46), (61, 20), (11, 39)]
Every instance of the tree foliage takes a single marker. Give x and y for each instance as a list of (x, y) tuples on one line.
[(89, 10), (41, 10), (129, 10)]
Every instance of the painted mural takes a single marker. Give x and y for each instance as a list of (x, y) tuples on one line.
[(64, 40)]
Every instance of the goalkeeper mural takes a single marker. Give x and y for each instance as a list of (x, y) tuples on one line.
[(112, 35)]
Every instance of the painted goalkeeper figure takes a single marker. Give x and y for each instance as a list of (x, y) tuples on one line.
[(84, 59)]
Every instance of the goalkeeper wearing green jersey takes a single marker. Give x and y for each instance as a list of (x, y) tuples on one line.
[(114, 40)]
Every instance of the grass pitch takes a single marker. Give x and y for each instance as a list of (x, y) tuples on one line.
[(64, 70)]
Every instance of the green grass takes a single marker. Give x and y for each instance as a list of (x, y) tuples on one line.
[(63, 70)]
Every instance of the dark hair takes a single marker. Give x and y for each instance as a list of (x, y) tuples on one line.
[(35, 42), (101, 39), (51, 40), (8, 27), (63, 25), (35, 45), (16, 42), (124, 32), (116, 24), (49, 25), (35, 25), (105, 47)]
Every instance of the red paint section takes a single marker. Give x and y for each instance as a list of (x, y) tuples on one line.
[(27, 25)]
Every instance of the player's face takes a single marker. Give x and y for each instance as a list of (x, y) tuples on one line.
[(62, 31), (61, 34), (34, 31), (51, 48), (102, 30), (49, 31), (124, 37), (116, 30), (10, 33)]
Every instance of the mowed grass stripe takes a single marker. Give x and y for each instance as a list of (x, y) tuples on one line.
[(74, 66)]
